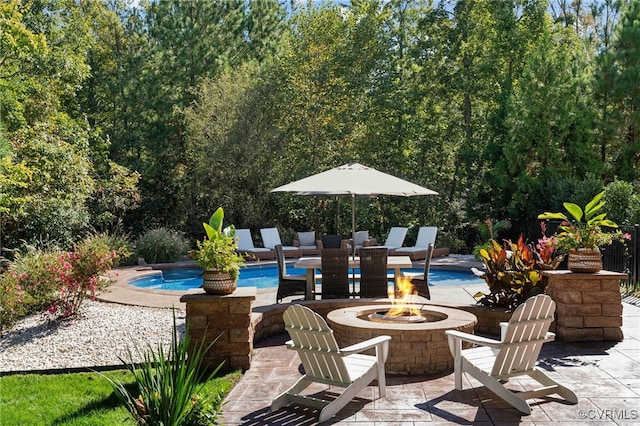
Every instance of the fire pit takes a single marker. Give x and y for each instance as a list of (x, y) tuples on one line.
[(417, 346)]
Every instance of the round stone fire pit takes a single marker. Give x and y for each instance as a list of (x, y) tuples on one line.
[(415, 348)]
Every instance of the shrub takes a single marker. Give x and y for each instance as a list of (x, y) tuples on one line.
[(78, 274), (514, 272), (55, 280), (169, 386), (27, 285), (162, 245)]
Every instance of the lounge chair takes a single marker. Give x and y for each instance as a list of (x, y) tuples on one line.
[(373, 272), (494, 362), (325, 362), (426, 236), (248, 250), (288, 284), (308, 244), (395, 239), (420, 281), (271, 238), (335, 273)]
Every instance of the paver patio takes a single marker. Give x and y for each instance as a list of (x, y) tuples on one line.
[(604, 375)]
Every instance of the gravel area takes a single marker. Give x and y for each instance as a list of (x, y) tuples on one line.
[(100, 334)]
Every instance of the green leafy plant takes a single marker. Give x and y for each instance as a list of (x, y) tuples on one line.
[(170, 385), (162, 245), (218, 250), (513, 273), (584, 227), (54, 280)]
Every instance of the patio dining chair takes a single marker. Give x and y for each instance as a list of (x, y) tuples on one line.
[(325, 362), (420, 281), (288, 284), (494, 362), (335, 273), (373, 272)]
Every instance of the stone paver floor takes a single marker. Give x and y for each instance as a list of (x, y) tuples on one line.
[(604, 375)]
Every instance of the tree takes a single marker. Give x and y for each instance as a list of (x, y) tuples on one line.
[(627, 91)]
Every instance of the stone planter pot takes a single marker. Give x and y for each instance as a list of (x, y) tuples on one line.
[(218, 282), (584, 260)]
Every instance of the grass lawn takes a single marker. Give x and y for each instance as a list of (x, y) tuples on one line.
[(72, 399)]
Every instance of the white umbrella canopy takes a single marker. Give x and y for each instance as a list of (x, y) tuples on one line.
[(354, 179)]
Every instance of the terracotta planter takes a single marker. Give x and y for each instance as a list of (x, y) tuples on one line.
[(218, 282), (585, 260)]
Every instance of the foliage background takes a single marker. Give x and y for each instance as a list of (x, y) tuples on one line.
[(128, 115)]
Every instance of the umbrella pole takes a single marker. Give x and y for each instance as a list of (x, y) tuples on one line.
[(353, 224)]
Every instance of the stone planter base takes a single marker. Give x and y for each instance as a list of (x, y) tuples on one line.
[(588, 306)]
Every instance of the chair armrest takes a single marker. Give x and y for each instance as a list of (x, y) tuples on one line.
[(370, 242), (472, 338), (296, 243), (319, 244), (363, 346)]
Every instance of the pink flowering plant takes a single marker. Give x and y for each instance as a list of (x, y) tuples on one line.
[(55, 282), (583, 228)]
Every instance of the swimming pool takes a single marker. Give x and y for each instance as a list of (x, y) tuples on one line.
[(266, 276)]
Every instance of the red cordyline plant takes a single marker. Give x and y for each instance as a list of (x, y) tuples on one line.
[(514, 272)]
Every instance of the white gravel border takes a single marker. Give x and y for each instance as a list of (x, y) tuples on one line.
[(95, 338)]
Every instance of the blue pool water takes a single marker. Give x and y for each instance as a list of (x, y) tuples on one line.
[(266, 276)]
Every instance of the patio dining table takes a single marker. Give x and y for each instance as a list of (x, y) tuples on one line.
[(396, 263)]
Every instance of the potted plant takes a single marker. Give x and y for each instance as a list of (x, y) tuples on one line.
[(582, 234), (218, 257)]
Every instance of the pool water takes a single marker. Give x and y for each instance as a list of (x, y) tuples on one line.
[(266, 276)]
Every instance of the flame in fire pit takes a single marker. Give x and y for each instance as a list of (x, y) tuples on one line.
[(404, 304)]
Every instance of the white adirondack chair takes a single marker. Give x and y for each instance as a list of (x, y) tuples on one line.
[(324, 362), (495, 362)]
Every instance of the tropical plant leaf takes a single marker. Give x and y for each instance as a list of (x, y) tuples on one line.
[(574, 210)]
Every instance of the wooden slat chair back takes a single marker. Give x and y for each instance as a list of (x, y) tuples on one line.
[(373, 272), (335, 273), (325, 362), (494, 362), (525, 333)]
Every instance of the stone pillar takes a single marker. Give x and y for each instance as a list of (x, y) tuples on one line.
[(227, 318), (588, 306)]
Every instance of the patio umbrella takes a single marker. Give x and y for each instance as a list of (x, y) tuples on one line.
[(354, 179)]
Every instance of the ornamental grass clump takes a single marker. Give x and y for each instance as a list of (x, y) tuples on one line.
[(169, 386)]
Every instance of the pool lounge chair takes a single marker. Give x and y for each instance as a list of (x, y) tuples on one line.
[(494, 362), (395, 239), (325, 362), (271, 238), (426, 236), (248, 250)]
